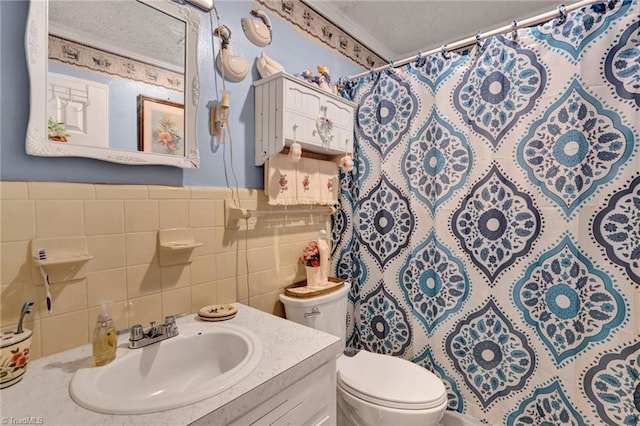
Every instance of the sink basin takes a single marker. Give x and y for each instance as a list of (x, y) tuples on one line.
[(202, 361)]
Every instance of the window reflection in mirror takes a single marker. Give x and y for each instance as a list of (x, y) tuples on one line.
[(104, 56)]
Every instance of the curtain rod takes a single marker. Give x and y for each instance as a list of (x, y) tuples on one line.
[(469, 41)]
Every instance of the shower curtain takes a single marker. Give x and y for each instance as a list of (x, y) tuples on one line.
[(491, 227)]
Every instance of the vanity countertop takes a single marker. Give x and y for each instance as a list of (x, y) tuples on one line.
[(290, 352)]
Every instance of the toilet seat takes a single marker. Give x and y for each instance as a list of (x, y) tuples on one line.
[(390, 382)]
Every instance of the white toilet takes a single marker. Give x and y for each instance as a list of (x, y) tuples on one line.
[(373, 389)]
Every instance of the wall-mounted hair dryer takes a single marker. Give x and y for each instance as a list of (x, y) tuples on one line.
[(218, 116)]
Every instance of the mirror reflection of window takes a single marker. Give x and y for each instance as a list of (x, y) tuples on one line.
[(103, 55)]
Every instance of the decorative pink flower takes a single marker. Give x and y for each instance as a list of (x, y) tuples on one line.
[(311, 254), (165, 137), (283, 183), (305, 182), (330, 184)]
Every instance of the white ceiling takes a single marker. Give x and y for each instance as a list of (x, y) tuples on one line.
[(398, 29)]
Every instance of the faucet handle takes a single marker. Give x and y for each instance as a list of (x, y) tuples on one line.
[(170, 326), (136, 333)]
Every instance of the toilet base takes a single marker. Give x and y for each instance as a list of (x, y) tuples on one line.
[(453, 418), (353, 411)]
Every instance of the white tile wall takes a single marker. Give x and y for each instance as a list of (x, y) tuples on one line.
[(121, 223)]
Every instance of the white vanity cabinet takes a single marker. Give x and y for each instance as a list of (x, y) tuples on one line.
[(311, 401), (294, 382), (289, 110)]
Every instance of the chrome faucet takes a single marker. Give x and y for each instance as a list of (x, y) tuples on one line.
[(138, 338)]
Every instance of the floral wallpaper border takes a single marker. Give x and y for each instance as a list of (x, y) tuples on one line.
[(82, 56), (316, 25)]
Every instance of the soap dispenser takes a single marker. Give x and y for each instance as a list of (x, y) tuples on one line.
[(105, 339)]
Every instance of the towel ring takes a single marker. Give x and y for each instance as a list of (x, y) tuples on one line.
[(478, 38), (562, 14), (445, 52), (514, 30)]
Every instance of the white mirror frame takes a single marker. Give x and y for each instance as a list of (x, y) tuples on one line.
[(37, 51)]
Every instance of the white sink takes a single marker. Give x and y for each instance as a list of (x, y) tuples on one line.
[(205, 359)]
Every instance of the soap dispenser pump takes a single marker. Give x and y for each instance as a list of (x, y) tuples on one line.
[(105, 338)]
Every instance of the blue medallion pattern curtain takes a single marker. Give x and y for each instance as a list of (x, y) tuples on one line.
[(491, 227)]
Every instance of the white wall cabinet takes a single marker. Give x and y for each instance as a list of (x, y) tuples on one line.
[(311, 401), (288, 109), (82, 106)]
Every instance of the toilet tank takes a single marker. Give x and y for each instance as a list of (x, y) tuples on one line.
[(326, 313)]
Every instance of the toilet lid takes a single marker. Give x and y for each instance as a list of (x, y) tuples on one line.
[(391, 382)]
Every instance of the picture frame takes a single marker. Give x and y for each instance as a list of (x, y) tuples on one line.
[(160, 126)]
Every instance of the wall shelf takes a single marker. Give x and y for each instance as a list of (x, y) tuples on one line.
[(66, 259), (180, 245), (62, 259), (176, 246)]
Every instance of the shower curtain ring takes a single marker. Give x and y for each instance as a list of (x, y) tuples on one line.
[(445, 52), (478, 37), (514, 30), (391, 64), (419, 59), (562, 14), (371, 72)]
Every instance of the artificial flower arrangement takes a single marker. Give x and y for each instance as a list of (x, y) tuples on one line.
[(311, 254)]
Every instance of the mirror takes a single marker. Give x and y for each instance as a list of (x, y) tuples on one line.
[(115, 81)]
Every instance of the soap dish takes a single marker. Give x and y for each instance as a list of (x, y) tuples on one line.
[(217, 312), (217, 319)]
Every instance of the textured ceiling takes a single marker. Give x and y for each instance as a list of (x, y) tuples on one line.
[(398, 29), (125, 27)]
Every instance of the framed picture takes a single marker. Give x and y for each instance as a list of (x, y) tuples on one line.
[(160, 126)]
